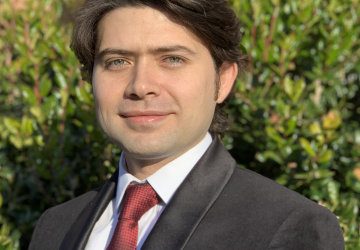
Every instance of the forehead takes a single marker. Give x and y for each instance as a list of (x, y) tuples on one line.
[(141, 28)]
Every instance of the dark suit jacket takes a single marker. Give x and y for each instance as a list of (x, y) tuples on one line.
[(218, 206)]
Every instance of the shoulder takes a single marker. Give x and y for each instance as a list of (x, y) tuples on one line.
[(310, 227), (267, 191), (296, 222), (272, 195), (271, 216), (56, 221), (69, 210)]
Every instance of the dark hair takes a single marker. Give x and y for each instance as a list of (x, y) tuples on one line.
[(212, 21)]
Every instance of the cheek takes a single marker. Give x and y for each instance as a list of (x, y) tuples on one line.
[(194, 94), (106, 90), (97, 82)]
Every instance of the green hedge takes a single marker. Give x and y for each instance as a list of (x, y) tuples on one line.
[(296, 114)]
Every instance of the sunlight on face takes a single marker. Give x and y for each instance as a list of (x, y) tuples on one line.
[(153, 84)]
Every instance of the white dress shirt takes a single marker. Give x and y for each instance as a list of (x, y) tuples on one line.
[(165, 182)]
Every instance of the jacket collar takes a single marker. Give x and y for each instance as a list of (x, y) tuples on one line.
[(79, 233), (182, 215), (192, 200)]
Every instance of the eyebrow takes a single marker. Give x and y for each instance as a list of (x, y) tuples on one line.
[(158, 50), (171, 49)]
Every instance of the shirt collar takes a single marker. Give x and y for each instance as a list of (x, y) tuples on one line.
[(167, 179)]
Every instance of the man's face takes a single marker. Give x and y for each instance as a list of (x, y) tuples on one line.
[(154, 84)]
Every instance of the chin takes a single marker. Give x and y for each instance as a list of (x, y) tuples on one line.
[(146, 147), (147, 152)]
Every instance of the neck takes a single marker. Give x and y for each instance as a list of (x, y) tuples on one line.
[(141, 169)]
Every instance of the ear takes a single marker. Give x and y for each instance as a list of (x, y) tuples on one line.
[(227, 73)]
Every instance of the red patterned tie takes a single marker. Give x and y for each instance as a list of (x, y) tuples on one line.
[(139, 198)]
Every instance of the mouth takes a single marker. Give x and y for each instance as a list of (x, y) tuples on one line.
[(147, 117)]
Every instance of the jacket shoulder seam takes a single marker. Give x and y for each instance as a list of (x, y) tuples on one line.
[(277, 229)]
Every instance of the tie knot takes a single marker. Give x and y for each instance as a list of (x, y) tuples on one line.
[(139, 198)]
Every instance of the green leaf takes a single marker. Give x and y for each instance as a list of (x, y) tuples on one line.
[(305, 144), (302, 176), (291, 124), (70, 108), (4, 133), (77, 123), (45, 86), (315, 129), (20, 47), (60, 80), (352, 180), (332, 120), (321, 174), (83, 95), (40, 140), (49, 106), (283, 179), (316, 194), (28, 94), (240, 85), (12, 125), (333, 192), (57, 67), (299, 89), (349, 210), (64, 97), (273, 134), (243, 49), (49, 32), (274, 156), (38, 113), (275, 69), (58, 9), (326, 157), (28, 141), (34, 40), (288, 86), (16, 141), (26, 126), (59, 47), (282, 107)]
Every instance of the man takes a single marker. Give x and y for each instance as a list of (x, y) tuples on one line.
[(160, 70)]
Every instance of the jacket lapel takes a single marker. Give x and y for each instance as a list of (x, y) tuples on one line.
[(78, 235), (192, 200)]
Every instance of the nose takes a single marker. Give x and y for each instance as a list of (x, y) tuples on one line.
[(144, 82)]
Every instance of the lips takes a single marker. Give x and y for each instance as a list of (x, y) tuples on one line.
[(144, 117), (143, 113)]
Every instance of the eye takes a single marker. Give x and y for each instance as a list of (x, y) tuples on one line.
[(118, 62), (115, 64), (174, 60)]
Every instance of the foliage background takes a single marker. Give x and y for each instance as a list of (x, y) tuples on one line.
[(296, 115)]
